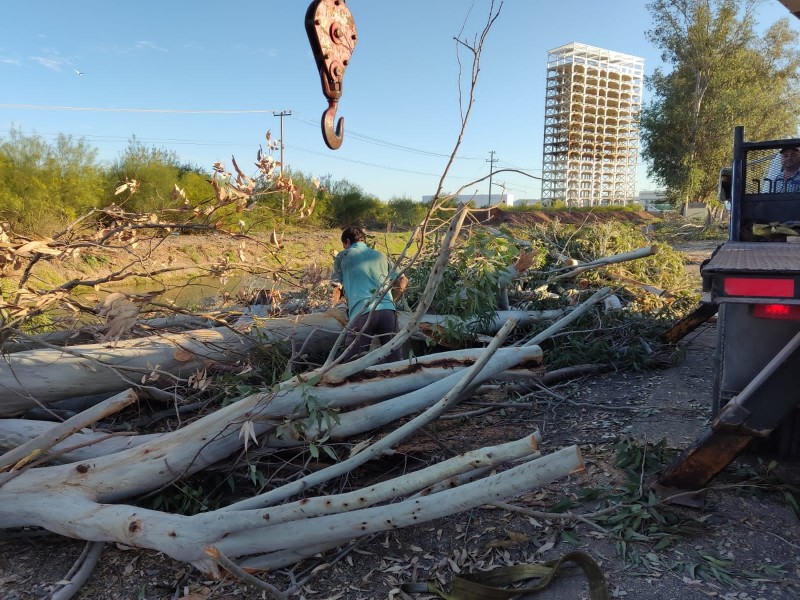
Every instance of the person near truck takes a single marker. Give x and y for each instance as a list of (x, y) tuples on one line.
[(788, 180), (358, 272)]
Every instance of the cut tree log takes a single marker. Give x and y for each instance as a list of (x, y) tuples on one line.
[(74, 513), (79, 502), (641, 285), (382, 382), (215, 436), (690, 322), (609, 260), (39, 377), (34, 448)]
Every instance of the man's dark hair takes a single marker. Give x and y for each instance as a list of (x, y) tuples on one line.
[(353, 235)]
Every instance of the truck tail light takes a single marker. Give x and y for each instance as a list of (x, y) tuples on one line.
[(786, 312), (759, 287)]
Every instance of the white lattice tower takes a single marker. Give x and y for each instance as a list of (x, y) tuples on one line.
[(591, 130)]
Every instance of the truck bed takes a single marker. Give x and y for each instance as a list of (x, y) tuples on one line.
[(755, 258)]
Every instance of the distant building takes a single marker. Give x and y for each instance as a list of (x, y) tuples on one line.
[(591, 129), (527, 201), (654, 200), (480, 200)]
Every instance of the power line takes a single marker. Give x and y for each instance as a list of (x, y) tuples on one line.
[(368, 139), (378, 142), (137, 110), (368, 164)]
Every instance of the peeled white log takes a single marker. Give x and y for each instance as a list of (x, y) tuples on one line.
[(80, 446), (641, 285), (379, 414), (422, 481), (431, 325), (40, 444), (527, 476), (608, 260), (393, 438), (374, 384), (48, 375), (70, 511), (43, 376), (203, 442)]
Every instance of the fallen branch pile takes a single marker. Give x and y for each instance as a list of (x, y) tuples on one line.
[(107, 408), (91, 471)]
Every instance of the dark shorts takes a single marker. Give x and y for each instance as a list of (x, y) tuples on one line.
[(382, 325)]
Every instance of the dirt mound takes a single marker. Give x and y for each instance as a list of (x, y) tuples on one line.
[(498, 217)]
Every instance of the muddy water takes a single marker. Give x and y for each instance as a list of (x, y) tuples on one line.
[(200, 292)]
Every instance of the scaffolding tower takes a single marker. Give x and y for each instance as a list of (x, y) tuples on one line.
[(591, 126)]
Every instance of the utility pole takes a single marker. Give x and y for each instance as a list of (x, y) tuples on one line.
[(281, 114), (491, 162)]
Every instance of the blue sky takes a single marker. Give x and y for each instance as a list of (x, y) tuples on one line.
[(400, 91)]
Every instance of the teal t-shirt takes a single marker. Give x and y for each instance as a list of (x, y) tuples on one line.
[(362, 270)]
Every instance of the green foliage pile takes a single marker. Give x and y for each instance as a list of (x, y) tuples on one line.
[(672, 230), (587, 243), (470, 284), (629, 338)]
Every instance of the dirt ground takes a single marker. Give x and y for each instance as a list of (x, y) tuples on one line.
[(744, 543)]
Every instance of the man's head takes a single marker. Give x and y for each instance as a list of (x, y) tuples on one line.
[(351, 235), (790, 159)]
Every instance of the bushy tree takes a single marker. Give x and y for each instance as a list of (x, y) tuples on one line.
[(155, 173), (349, 205), (44, 186), (404, 213), (722, 74)]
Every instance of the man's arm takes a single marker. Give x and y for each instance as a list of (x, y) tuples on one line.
[(399, 287), (336, 294), (336, 279), (524, 261)]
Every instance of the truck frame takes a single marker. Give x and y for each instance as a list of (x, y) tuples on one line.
[(752, 282)]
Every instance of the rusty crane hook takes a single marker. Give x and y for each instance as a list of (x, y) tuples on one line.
[(332, 35)]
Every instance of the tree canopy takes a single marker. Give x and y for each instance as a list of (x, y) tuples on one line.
[(45, 185), (724, 73)]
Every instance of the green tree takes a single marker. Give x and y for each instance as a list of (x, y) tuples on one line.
[(404, 213), (44, 186), (723, 74), (348, 205), (156, 172)]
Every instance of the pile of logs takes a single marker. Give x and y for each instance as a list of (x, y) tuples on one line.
[(71, 477)]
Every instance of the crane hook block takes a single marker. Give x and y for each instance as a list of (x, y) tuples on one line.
[(332, 35)]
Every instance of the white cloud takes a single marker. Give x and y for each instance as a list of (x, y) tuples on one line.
[(52, 63), (7, 60), (148, 45)]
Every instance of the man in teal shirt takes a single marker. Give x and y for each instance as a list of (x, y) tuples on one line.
[(361, 270)]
